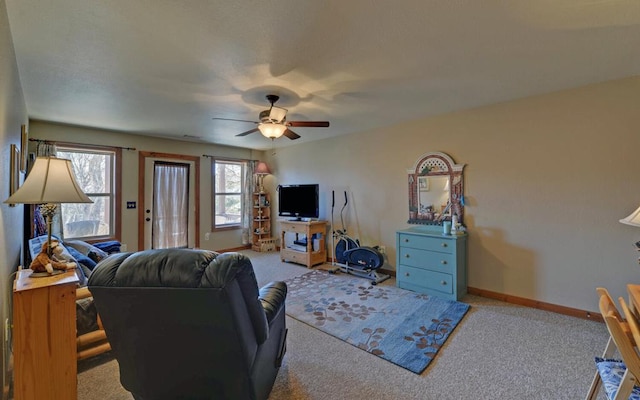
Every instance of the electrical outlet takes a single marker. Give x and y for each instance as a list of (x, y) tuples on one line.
[(207, 235), (7, 326), (382, 249), (123, 247)]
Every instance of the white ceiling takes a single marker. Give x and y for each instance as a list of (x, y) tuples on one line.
[(167, 67)]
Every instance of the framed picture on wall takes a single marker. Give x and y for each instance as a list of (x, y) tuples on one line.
[(24, 149), (423, 183), (14, 170)]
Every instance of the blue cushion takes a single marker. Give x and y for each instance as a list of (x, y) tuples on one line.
[(87, 249), (112, 246), (81, 258), (611, 372)]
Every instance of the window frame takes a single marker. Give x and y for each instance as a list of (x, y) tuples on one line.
[(244, 165), (116, 194)]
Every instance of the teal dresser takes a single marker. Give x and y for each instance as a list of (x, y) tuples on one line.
[(432, 263)]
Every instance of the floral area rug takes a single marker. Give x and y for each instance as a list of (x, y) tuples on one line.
[(400, 326)]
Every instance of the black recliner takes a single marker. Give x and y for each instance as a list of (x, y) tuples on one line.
[(191, 324)]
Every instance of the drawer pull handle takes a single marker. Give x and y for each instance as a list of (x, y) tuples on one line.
[(444, 245), (406, 240), (406, 274), (443, 262), (406, 256), (443, 283)]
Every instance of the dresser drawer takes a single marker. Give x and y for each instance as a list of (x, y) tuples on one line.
[(295, 228), (416, 277), (424, 259), (442, 245)]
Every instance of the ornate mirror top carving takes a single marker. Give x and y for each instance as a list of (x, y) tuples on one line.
[(435, 190)]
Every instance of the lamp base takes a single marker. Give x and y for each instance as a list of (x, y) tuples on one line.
[(46, 274)]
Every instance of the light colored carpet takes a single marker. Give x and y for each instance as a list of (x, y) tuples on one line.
[(499, 351)]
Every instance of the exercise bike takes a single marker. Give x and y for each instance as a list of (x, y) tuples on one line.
[(362, 261)]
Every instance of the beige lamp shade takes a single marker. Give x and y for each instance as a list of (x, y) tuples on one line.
[(633, 219), (272, 130), (51, 180)]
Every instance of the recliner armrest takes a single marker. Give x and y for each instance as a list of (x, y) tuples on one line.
[(272, 296)]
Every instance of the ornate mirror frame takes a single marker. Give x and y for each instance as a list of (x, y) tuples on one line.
[(434, 164)]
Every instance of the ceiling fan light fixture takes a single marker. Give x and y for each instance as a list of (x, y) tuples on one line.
[(277, 114), (272, 130)]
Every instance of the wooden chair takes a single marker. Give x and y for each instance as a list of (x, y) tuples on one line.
[(622, 335), (632, 322), (92, 343), (610, 348)]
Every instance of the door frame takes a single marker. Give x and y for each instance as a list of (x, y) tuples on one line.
[(142, 158)]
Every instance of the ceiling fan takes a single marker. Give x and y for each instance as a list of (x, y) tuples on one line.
[(273, 122)]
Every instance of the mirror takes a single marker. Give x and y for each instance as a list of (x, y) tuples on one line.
[(435, 190)]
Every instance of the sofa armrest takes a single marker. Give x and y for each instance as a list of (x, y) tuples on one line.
[(272, 296)]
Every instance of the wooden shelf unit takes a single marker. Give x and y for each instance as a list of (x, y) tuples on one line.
[(309, 229), (44, 336), (261, 224)]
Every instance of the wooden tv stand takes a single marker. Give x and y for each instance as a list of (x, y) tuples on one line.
[(309, 257)]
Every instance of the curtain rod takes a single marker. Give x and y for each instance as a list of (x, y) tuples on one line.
[(80, 144), (227, 158)]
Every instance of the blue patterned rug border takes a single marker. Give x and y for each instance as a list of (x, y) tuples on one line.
[(397, 325)]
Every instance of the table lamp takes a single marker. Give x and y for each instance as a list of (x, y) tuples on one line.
[(261, 170), (634, 220), (50, 181)]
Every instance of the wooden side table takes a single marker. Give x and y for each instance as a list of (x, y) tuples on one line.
[(44, 336), (308, 256), (634, 298)]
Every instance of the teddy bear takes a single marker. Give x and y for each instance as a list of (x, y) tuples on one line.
[(44, 263)]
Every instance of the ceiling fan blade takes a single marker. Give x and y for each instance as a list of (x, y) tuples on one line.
[(231, 119), (248, 132), (308, 124), (291, 134)]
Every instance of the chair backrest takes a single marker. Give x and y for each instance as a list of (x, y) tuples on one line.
[(634, 327), (181, 323), (624, 343), (604, 292), (623, 322)]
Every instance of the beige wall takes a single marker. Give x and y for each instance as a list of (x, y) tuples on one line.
[(217, 240), (13, 113), (546, 180)]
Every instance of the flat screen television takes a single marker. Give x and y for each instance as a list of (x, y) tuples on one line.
[(298, 201)]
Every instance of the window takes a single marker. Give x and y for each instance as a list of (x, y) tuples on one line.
[(95, 171), (228, 186)]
